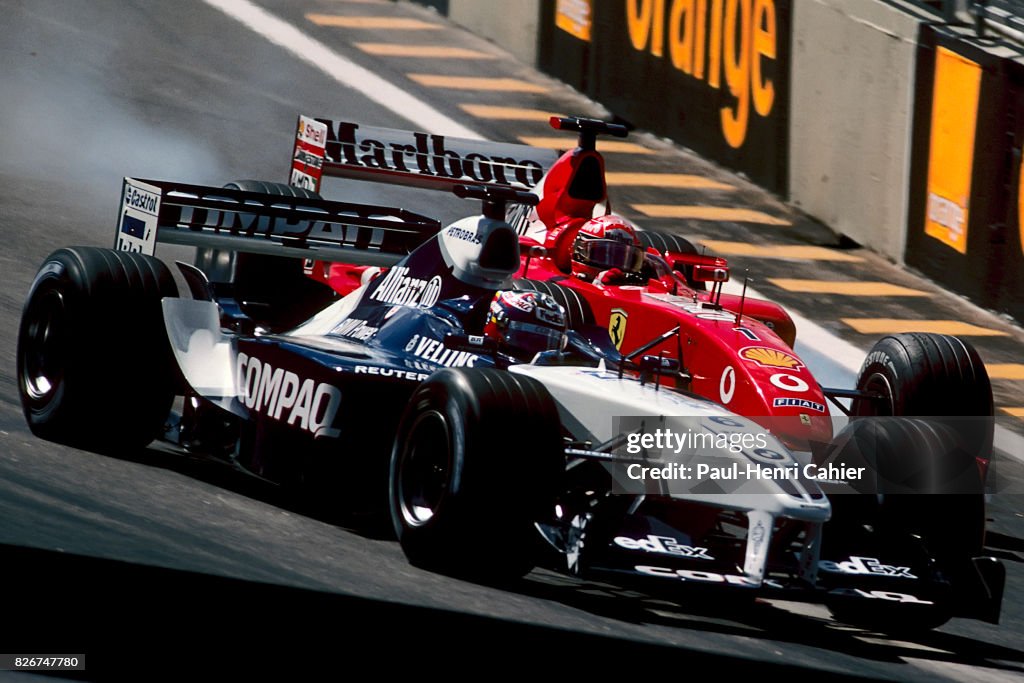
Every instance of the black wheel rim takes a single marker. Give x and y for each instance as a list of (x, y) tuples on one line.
[(43, 346), (879, 384), (424, 470)]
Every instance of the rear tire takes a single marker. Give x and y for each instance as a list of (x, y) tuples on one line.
[(477, 459), (663, 242), (95, 368), (577, 309)]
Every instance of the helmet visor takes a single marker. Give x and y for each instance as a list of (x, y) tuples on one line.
[(613, 254), (531, 339)]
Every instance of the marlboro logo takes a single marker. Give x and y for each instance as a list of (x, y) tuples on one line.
[(422, 154)]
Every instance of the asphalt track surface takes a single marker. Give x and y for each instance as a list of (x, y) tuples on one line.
[(156, 562)]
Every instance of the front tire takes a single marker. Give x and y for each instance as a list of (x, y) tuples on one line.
[(924, 494), (477, 459), (95, 368)]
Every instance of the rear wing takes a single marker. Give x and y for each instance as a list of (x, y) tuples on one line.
[(324, 147), (194, 215)]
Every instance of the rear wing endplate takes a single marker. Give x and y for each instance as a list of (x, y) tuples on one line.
[(324, 147), (176, 213)]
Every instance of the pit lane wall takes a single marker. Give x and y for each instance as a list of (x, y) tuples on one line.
[(872, 116), (850, 124)]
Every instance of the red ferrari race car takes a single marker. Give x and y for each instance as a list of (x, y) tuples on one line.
[(650, 290)]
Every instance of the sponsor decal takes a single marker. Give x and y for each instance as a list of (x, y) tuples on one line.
[(308, 157), (574, 17), (430, 155), (435, 351), (757, 534), (786, 402), (398, 287), (133, 227), (706, 577), (141, 200), (137, 224), (312, 131), (770, 358), (805, 419), (727, 385), (255, 225), (789, 382), (524, 301), (665, 545), (880, 595), (463, 234), (354, 328), (391, 372), (865, 566), (617, 326), (284, 396)]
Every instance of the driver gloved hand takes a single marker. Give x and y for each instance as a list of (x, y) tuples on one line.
[(612, 276)]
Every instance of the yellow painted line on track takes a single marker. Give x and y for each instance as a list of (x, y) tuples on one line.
[(566, 142), (487, 111), (1005, 370), (679, 181), (844, 288), (792, 252), (1016, 412), (895, 325), (709, 213), (477, 83), (391, 23), (424, 51)]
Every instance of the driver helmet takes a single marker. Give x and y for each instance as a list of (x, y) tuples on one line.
[(604, 243), (526, 323)]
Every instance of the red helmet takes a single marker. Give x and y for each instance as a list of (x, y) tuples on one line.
[(526, 323), (604, 243)]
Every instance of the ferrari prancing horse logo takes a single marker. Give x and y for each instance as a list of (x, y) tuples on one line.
[(617, 327)]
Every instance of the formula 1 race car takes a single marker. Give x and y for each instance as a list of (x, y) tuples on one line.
[(734, 350), (502, 432)]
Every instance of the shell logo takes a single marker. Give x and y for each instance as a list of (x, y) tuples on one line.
[(770, 358)]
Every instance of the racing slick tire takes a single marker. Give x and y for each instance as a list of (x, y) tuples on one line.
[(663, 242), (923, 491), (577, 309), (272, 290), (95, 369), (931, 375), (478, 458)]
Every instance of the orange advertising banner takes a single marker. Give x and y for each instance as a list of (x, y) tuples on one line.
[(951, 157)]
